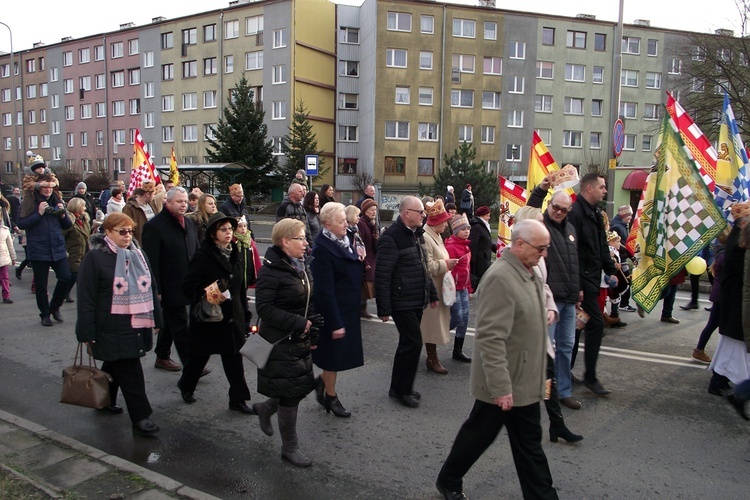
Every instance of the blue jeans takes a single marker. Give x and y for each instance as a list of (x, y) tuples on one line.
[(460, 313), (563, 335)]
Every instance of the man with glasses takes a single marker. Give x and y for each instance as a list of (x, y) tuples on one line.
[(235, 205), (170, 239), (593, 258), (403, 289), (564, 281)]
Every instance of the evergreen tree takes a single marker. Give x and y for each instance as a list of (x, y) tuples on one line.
[(241, 136), (300, 141), (460, 169)]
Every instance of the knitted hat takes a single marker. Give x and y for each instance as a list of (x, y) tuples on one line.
[(740, 210), (81, 185), (367, 204), (436, 213), (483, 210), (459, 222), (36, 163)]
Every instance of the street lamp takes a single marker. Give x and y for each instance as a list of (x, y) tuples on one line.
[(13, 98)]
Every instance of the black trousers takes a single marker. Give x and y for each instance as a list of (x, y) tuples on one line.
[(525, 434), (594, 331), (233, 369), (127, 376), (406, 360), (175, 330), (41, 277)]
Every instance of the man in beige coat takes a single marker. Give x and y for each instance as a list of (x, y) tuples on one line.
[(508, 374)]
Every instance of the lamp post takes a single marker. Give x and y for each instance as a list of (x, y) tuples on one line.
[(13, 98)]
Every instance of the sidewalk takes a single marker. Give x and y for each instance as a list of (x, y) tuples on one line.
[(45, 464)]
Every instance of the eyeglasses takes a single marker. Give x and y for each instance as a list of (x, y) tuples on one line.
[(226, 229), (558, 208), (123, 232), (538, 248), (299, 238), (420, 212)]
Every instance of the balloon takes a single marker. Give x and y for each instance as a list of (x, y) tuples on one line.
[(697, 265)]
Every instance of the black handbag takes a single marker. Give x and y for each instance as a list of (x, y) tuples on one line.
[(205, 312)]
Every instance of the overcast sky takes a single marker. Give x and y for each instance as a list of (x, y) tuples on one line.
[(50, 20)]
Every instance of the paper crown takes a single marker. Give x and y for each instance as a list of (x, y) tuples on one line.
[(436, 213), (740, 210), (611, 235), (564, 178)]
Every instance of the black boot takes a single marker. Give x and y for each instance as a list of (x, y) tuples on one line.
[(333, 404), (289, 443), (563, 432), (458, 355), (68, 298), (320, 390), (265, 411)]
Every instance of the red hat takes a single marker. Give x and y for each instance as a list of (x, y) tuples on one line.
[(483, 210), (436, 213)]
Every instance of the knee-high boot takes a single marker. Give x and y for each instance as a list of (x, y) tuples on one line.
[(458, 355), (433, 363), (289, 444), (265, 411)]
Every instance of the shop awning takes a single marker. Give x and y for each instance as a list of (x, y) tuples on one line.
[(635, 180)]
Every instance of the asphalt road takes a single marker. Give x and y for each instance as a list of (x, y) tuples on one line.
[(658, 435)]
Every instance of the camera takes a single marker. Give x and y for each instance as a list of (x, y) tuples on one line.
[(50, 210)]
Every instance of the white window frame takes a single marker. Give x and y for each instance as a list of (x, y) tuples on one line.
[(392, 56), (491, 100), (425, 59), (515, 119), (573, 106), (403, 95), (517, 50), (571, 71), (457, 96), (397, 130), (517, 85), (572, 139), (428, 132), (493, 62), (398, 21), (488, 134), (465, 133), (543, 103), (464, 28), (545, 70), (426, 96)]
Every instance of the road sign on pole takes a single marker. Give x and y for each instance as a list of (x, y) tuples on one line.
[(618, 137), (311, 165)]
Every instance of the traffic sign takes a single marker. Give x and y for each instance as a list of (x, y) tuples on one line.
[(618, 137), (311, 164)]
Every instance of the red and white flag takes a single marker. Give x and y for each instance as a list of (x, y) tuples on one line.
[(143, 167)]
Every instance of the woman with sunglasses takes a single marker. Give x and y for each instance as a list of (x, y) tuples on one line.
[(117, 311)]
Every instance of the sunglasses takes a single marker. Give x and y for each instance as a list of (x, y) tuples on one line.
[(538, 248), (421, 212), (123, 232), (558, 208)]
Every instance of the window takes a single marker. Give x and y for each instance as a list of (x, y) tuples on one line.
[(652, 47), (189, 101), (167, 72), (397, 130), (631, 45), (491, 100), (228, 64), (31, 116), (675, 67), (465, 28), (598, 74), (517, 85), (629, 78), (651, 111), (573, 106), (513, 152), (425, 59), (348, 101), (133, 47), (134, 77), (349, 35), (548, 36), (278, 145), (67, 58), (518, 50), (254, 25), (7, 119), (209, 33), (167, 133), (653, 80), (490, 30), (118, 108), (427, 132), (545, 134), (189, 133), (254, 60), (6, 95), (575, 72), (628, 109), (402, 95), (68, 86), (279, 38), (646, 143), (572, 138), (629, 142), (543, 103), (466, 133), (84, 139), (279, 110), (395, 58), (231, 29), (545, 69), (98, 52), (348, 133), (600, 42), (57, 153), (148, 119), (515, 119), (99, 137), (117, 50), (84, 56), (425, 96), (70, 113), (427, 25), (101, 109), (395, 165), (488, 134), (43, 115), (464, 63), (34, 141), (85, 111), (54, 74), (493, 66), (167, 103), (595, 140), (209, 131), (348, 68), (697, 84), (30, 91), (55, 127), (148, 59), (398, 21), (210, 66), (279, 74), (575, 39), (190, 36), (426, 166), (135, 106), (189, 69), (462, 98), (596, 107)]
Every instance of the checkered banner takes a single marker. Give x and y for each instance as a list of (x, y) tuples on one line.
[(731, 166), (143, 167), (678, 218)]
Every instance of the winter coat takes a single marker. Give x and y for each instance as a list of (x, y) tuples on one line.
[(290, 210), (133, 210), (458, 248), (90, 204), (362, 200), (114, 206), (450, 198), (325, 199), (7, 252), (76, 242), (114, 337), (15, 209), (104, 198), (226, 336), (618, 225), (467, 202), (369, 234), (732, 276), (593, 250), (281, 296), (337, 274), (170, 247), (313, 224), (402, 281), (717, 267), (435, 324), (44, 237), (233, 209), (562, 261), (482, 249)]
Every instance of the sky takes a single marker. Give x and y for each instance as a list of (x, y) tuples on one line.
[(51, 20)]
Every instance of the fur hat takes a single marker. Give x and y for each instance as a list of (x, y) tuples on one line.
[(740, 210), (236, 189), (459, 222), (436, 213), (367, 204), (483, 210)]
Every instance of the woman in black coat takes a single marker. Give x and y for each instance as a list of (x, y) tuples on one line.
[(113, 335), (283, 301), (218, 259), (337, 270)]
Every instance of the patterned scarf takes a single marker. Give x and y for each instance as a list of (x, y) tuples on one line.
[(343, 242), (132, 286)]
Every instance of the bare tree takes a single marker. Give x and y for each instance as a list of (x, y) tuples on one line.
[(361, 181)]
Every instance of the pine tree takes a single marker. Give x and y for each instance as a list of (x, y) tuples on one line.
[(300, 141), (241, 136), (460, 169)]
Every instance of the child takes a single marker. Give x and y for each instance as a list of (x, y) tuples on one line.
[(622, 284), (458, 248), (7, 258), (251, 261)]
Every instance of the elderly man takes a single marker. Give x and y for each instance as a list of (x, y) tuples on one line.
[(369, 194), (170, 240), (593, 258), (508, 374), (235, 205), (403, 288), (564, 282), (291, 208), (141, 208)]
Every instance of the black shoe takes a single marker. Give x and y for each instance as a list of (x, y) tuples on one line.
[(689, 306), (709, 309), (333, 404), (113, 409), (672, 320), (460, 356), (448, 494), (7, 301), (564, 433), (18, 273), (619, 324), (145, 427), (186, 396), (56, 314), (46, 321), (241, 407), (719, 391), (319, 390), (414, 394), (596, 387), (409, 400), (69, 299), (628, 308), (738, 403)]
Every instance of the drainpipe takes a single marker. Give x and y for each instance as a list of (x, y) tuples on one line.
[(442, 90)]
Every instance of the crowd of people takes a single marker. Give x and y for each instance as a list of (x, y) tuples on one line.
[(179, 267)]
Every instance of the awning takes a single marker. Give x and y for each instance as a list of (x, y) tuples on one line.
[(636, 180)]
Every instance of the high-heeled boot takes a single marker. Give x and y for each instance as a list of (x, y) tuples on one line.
[(565, 433), (320, 390), (333, 404), (289, 443), (433, 363), (458, 355), (265, 411), (557, 427)]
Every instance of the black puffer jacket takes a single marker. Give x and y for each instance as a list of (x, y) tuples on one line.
[(563, 277), (593, 250), (402, 281), (281, 295)]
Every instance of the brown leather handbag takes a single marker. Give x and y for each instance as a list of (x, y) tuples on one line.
[(86, 386)]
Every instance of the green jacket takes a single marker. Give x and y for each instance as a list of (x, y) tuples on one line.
[(76, 243)]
